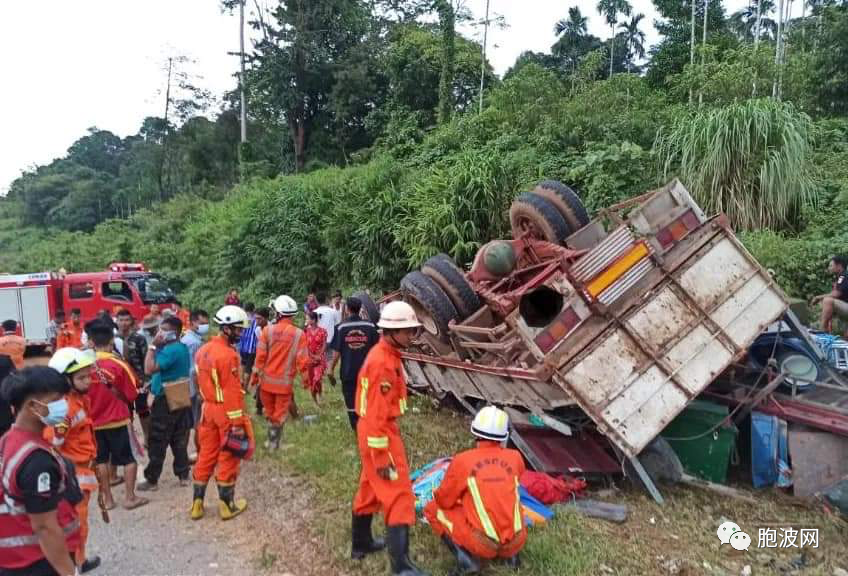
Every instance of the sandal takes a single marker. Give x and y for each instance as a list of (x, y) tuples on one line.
[(137, 503)]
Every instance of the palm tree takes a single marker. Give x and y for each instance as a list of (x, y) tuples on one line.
[(575, 25), (572, 32), (610, 9), (634, 38), (745, 21)]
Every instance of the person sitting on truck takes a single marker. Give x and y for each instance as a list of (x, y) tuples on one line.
[(70, 333), (836, 302), (53, 328), (13, 345)]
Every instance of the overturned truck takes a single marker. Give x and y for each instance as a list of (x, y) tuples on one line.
[(598, 328)]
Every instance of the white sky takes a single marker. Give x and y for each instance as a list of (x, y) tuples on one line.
[(69, 65)]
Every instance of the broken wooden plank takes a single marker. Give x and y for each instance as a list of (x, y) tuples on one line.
[(717, 488), (617, 513)]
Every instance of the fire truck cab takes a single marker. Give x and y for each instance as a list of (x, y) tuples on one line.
[(34, 299)]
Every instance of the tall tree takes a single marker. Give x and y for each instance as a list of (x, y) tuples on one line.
[(574, 41), (447, 23), (610, 10), (634, 39), (752, 22)]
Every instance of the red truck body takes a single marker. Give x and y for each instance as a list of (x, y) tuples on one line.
[(33, 299)]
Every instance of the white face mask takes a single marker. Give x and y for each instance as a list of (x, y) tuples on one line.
[(203, 329)]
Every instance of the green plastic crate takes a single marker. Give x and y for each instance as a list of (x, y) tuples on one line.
[(704, 452)]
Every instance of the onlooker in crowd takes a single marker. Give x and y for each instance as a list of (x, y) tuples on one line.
[(168, 362), (316, 343), (247, 344), (134, 350), (233, 298), (311, 303), (263, 317), (339, 306), (354, 338), (70, 333), (113, 387), (149, 327), (6, 419), (328, 317), (184, 314), (11, 344), (194, 338), (53, 328)]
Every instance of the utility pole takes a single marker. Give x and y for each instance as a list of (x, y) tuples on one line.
[(241, 76), (692, 47), (483, 58), (778, 48), (703, 47)]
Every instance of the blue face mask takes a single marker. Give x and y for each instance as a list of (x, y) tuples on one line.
[(57, 411), (169, 336), (203, 329)]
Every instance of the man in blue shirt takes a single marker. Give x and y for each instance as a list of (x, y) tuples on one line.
[(168, 362), (194, 338)]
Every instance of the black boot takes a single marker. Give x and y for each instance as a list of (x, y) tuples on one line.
[(466, 563), (90, 564), (363, 542), (513, 562), (399, 552)]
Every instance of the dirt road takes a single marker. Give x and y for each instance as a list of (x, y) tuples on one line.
[(270, 537)]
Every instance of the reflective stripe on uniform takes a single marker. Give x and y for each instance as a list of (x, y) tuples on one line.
[(10, 507), (402, 405), (235, 414), (219, 394), (32, 539), (440, 516), (378, 442), (518, 524), (363, 396), (86, 479), (13, 463), (488, 527), (78, 417)]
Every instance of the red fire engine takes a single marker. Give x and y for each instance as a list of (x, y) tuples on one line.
[(33, 299)]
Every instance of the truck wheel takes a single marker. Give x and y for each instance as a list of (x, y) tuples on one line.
[(442, 270), (431, 304), (369, 309), (538, 216), (566, 201), (660, 461)]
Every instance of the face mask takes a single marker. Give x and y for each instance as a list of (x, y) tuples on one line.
[(169, 336), (57, 411), (203, 329)]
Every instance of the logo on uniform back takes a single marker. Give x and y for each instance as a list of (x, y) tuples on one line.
[(356, 339)]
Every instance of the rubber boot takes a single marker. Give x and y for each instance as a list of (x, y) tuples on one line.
[(272, 437), (197, 501), (363, 541), (514, 562), (89, 564), (398, 537), (278, 436), (229, 507), (465, 562)]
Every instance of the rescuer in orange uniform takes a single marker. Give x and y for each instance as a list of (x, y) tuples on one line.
[(74, 438), (12, 345), (281, 354), (384, 482), (70, 334), (477, 508), (223, 421)]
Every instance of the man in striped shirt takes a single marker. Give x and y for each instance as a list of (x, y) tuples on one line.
[(247, 344)]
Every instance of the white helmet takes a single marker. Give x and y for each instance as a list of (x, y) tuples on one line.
[(398, 314), (70, 360), (491, 423), (231, 316), (284, 305)]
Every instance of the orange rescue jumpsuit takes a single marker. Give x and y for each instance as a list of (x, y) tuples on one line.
[(75, 441), (14, 347), (380, 400), (217, 365), (478, 505), (280, 354), (69, 336)]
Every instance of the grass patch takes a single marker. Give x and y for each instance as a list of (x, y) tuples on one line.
[(678, 538)]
